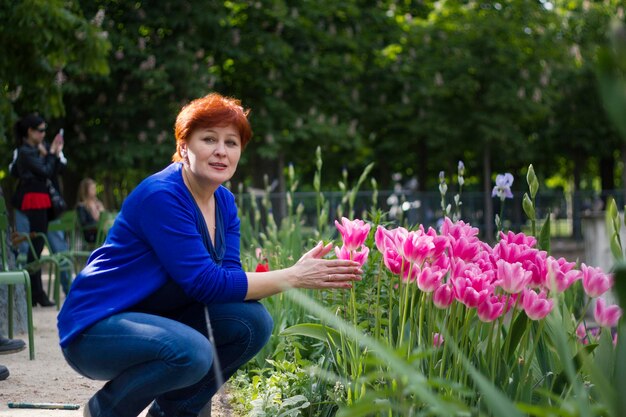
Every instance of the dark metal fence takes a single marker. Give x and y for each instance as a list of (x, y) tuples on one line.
[(409, 208)]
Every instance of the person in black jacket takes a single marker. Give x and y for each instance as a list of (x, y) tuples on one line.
[(34, 166)]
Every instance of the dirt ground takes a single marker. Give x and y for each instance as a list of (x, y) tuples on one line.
[(49, 379)]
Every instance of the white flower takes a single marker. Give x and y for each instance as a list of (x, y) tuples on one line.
[(503, 186)]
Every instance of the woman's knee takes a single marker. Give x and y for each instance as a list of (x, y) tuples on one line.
[(192, 355), (259, 319)]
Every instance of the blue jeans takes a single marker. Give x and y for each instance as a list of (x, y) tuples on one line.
[(57, 244), (22, 225), (148, 358)]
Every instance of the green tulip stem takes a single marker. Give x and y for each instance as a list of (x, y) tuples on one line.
[(490, 343), (501, 214), (404, 303), (444, 354), (582, 316), (390, 294), (414, 290), (377, 310), (420, 339), (495, 361)]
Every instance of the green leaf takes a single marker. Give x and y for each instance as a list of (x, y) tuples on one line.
[(616, 247), (544, 410), (364, 408), (544, 235), (577, 360), (619, 380), (313, 330), (516, 332), (610, 215)]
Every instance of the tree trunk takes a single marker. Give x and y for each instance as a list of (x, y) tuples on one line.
[(422, 167), (488, 201), (607, 168)]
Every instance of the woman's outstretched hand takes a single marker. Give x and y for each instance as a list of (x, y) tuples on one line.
[(311, 271)]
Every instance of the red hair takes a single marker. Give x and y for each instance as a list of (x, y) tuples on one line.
[(208, 111)]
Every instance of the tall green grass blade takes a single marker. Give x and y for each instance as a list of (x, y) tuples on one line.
[(313, 330), (559, 338), (578, 361)]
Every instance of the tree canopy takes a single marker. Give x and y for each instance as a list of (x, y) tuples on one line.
[(412, 85)]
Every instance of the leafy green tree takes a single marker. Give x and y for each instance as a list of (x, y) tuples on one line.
[(477, 76), (45, 44), (579, 120)]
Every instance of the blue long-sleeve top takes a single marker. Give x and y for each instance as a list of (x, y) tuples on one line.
[(155, 238)]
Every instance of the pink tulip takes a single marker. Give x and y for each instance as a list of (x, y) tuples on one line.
[(464, 248), (437, 340), (512, 277), (342, 253), (397, 265), (561, 274), (531, 259), (429, 279), (381, 237), (443, 296), (458, 229), (442, 262), (606, 316), (399, 236), (518, 239), (536, 263), (353, 232), (595, 281), (393, 261), (417, 247), (472, 289), (490, 309), (581, 333), (361, 256), (357, 256), (536, 305)]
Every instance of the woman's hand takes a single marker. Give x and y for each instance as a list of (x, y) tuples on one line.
[(311, 271), (57, 144), (42, 149)]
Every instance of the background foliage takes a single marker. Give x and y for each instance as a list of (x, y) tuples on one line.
[(406, 84)]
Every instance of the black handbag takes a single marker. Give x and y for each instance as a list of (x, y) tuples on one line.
[(58, 203)]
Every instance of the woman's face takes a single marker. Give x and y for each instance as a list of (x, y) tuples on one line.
[(214, 153), (91, 190), (37, 134)]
